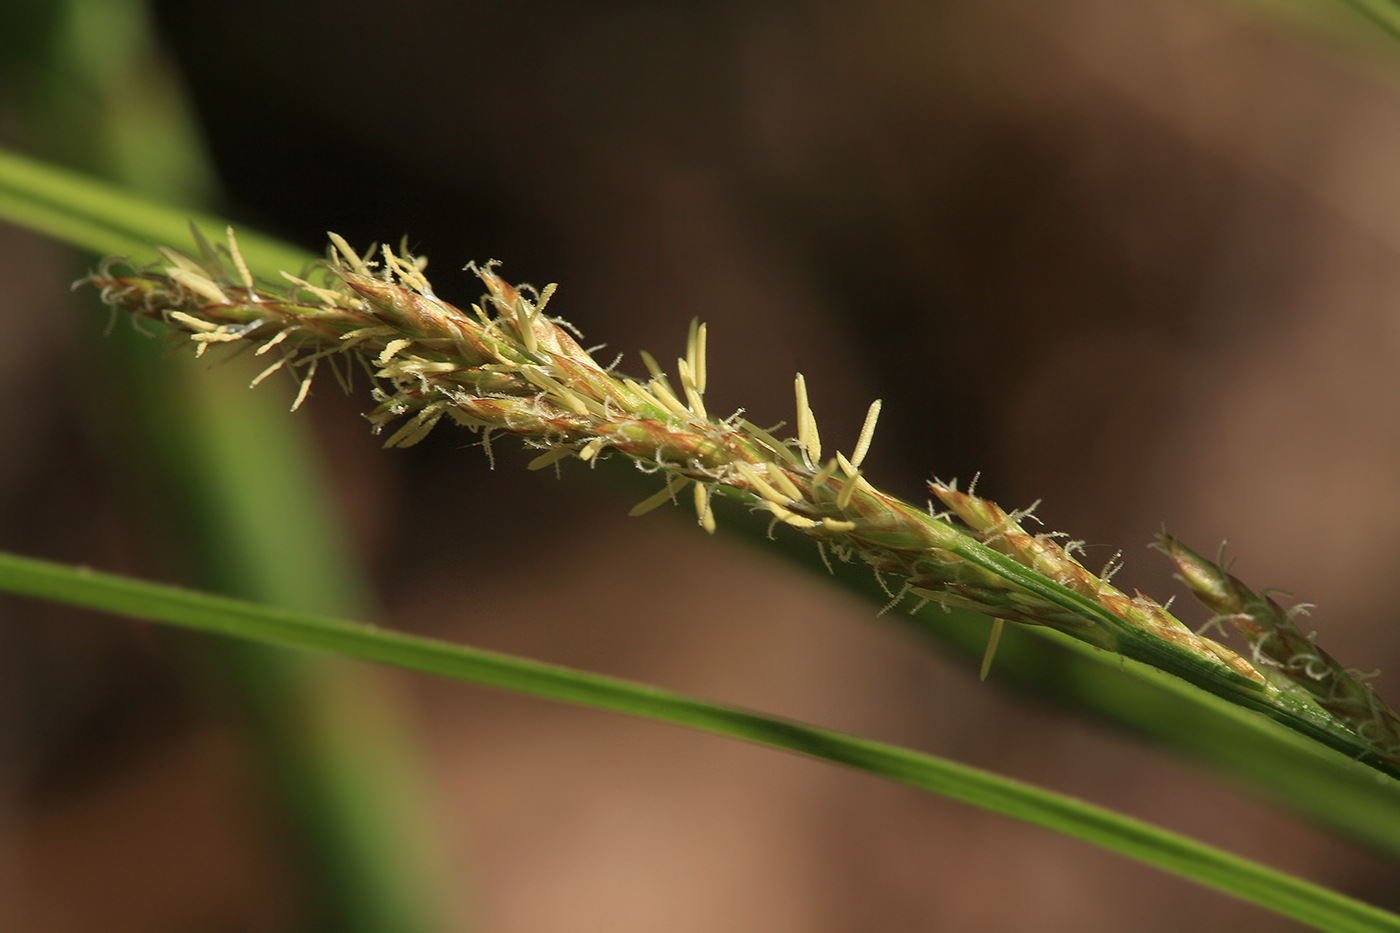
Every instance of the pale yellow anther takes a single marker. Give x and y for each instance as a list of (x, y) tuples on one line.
[(695, 353), (408, 271), (662, 390), (194, 323), (325, 294), (364, 333), (305, 385), (352, 258), (692, 393), (867, 432), (649, 362), (768, 440), (243, 274), (525, 323), (220, 335), (590, 450), (789, 516), (391, 348), (843, 499), (570, 400), (197, 283), (281, 336), (838, 525), (761, 485), (549, 458), (702, 507), (700, 365), (673, 485), (824, 474), (545, 295), (559, 392), (782, 481), (855, 475), (807, 434), (269, 371), (645, 396), (419, 427)]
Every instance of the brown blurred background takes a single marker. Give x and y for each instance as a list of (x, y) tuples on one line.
[(1136, 260)]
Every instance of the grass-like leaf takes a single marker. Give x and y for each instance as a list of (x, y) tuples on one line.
[(108, 220), (1273, 890)]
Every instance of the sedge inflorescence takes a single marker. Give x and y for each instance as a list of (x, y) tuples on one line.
[(506, 367)]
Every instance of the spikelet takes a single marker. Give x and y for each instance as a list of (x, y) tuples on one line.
[(1283, 652)]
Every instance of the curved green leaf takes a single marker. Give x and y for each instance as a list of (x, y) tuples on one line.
[(1273, 890), (108, 220)]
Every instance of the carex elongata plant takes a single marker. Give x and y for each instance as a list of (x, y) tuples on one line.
[(508, 368)]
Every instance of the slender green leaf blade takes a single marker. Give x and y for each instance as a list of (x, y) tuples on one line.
[(106, 219), (1248, 880)]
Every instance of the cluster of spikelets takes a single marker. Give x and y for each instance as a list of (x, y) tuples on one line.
[(508, 368)]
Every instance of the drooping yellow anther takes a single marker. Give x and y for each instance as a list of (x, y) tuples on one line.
[(702, 507), (269, 371), (673, 485), (549, 458), (590, 450), (305, 384), (281, 336)]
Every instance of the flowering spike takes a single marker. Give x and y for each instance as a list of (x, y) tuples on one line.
[(503, 366)]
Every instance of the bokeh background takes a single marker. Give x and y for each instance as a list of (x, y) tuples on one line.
[(1138, 261)]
